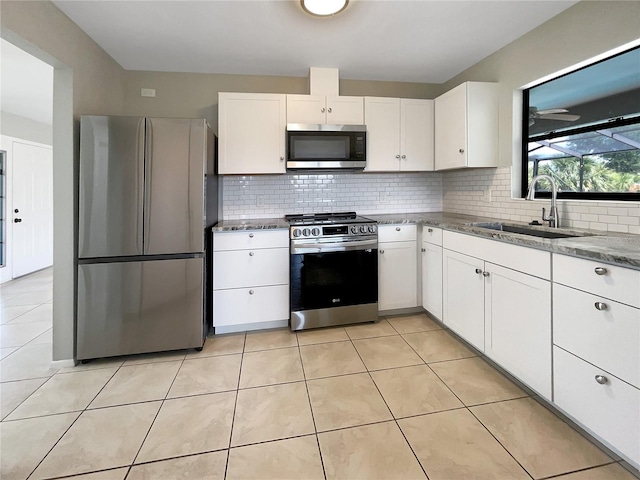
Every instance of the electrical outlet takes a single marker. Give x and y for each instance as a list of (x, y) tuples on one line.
[(260, 200), (148, 92), (384, 197)]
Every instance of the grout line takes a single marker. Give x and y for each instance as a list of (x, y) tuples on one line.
[(235, 406)]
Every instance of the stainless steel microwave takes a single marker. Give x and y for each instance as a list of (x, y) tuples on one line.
[(326, 147)]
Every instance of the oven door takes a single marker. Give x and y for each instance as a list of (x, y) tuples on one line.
[(334, 275)]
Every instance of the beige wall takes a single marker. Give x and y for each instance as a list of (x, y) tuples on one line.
[(25, 128), (86, 81)]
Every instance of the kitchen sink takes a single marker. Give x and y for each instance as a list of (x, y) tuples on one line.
[(524, 230)]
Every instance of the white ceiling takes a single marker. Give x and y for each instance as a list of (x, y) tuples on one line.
[(398, 40)]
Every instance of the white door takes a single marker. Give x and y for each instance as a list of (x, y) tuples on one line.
[(306, 109), (432, 279), (451, 129), (345, 110), (32, 214), (397, 275), (416, 135), (382, 118)]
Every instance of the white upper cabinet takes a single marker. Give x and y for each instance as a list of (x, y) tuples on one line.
[(400, 134), (251, 130), (466, 126), (318, 109)]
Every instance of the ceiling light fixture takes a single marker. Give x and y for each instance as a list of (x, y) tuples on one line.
[(324, 8)]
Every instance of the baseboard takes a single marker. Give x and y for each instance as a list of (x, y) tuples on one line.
[(247, 327), (63, 363)]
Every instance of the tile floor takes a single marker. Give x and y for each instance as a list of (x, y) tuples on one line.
[(398, 399)]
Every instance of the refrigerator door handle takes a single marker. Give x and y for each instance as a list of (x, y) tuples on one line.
[(141, 147), (147, 185)]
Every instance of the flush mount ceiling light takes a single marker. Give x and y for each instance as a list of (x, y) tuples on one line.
[(324, 8)]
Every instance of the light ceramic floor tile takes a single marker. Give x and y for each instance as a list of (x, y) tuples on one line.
[(322, 335), (96, 441), (115, 474), (386, 352), (542, 443), (26, 442), (437, 346), (330, 359), (372, 451), (290, 459), (8, 314), (45, 338), (414, 391), (271, 339), (67, 392), (36, 297), (41, 313), (207, 375), (189, 425), (13, 394), (454, 445), (271, 413), (346, 401), (413, 323), (269, 367), (208, 466), (18, 334), (608, 472), (474, 381), (220, 345), (138, 383), (30, 361), (94, 365), (5, 352), (156, 357), (370, 330)]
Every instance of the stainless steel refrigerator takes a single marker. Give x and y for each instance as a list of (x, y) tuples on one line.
[(147, 193)]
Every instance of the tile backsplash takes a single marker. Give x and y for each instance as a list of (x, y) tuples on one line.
[(487, 192), (268, 196)]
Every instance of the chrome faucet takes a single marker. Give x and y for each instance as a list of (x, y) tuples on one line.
[(554, 217)]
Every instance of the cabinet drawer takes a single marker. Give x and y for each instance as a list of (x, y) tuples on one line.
[(611, 411), (245, 239), (432, 235), (614, 282), (250, 305), (246, 268), (609, 338), (397, 233)]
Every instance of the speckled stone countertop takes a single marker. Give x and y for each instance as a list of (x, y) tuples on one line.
[(607, 247)]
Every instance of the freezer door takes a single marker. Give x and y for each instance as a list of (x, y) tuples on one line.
[(138, 307), (111, 176), (174, 196)]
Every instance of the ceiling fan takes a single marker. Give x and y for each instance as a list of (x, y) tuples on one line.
[(551, 114)]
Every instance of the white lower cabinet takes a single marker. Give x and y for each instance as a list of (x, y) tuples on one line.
[(242, 306), (604, 404), (432, 278), (397, 267)]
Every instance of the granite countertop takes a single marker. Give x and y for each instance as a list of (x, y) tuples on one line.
[(607, 247)]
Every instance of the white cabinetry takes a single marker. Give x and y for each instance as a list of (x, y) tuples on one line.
[(432, 270), (596, 340), (251, 130), (466, 126), (498, 297), (250, 279), (397, 267), (399, 134), (317, 109)]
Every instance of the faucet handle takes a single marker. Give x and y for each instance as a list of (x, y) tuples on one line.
[(544, 215)]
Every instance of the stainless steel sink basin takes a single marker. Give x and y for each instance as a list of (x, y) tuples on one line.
[(524, 230)]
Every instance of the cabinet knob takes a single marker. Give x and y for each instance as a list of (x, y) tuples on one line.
[(485, 274), (601, 379), (251, 235), (251, 254), (430, 230), (282, 159), (423, 250), (250, 292), (329, 109), (397, 156), (404, 156), (381, 252), (478, 271), (600, 271), (461, 150), (601, 306), (323, 110), (397, 229)]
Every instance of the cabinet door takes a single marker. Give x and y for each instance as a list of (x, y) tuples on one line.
[(518, 325), (306, 109), (345, 110), (251, 128), (463, 296), (432, 279), (451, 129), (397, 275), (416, 135), (246, 268), (382, 117)]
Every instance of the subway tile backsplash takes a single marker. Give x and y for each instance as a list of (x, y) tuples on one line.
[(268, 196)]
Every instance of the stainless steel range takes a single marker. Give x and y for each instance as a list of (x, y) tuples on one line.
[(334, 269)]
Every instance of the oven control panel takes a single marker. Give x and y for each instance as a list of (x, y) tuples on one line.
[(328, 231)]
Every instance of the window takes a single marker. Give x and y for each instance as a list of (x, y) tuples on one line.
[(583, 130)]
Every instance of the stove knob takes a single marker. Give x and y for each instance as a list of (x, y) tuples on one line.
[(315, 232), (354, 229), (305, 232), (296, 232), (372, 229), (363, 229)]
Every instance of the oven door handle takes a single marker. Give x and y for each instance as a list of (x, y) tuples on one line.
[(333, 247)]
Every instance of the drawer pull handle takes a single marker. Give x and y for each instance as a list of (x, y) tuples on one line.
[(381, 252), (601, 379), (251, 254), (423, 250), (430, 230), (397, 229), (600, 271), (601, 306), (478, 271), (250, 292), (251, 235)]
